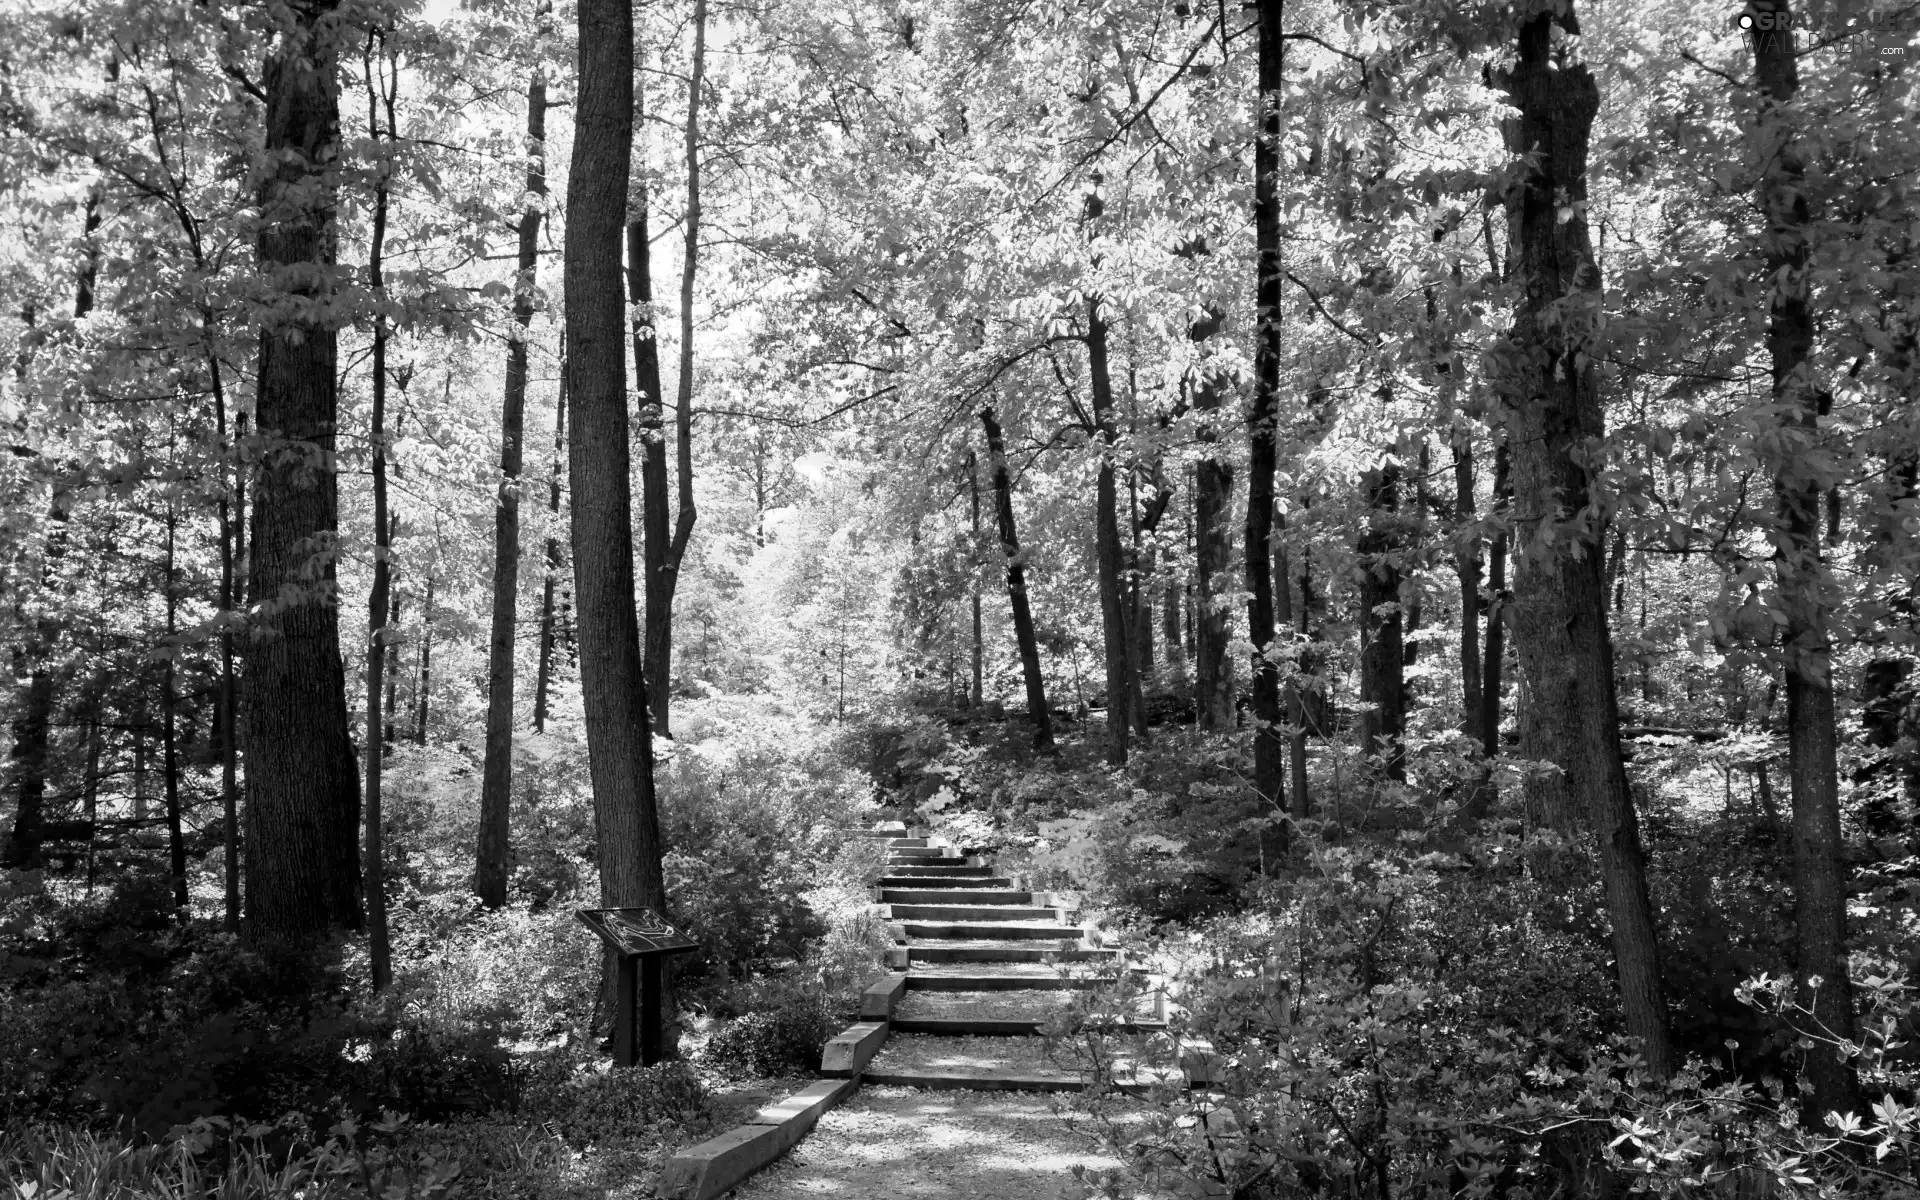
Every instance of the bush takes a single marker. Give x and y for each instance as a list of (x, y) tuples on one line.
[(588, 1104), (781, 1033)]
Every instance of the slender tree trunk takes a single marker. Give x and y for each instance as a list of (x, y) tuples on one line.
[(380, 951), (1298, 719), (391, 659), (1466, 567), (303, 810), (229, 694), (1493, 665), (1383, 686), (1553, 417), (169, 729), (496, 786), (423, 680), (1023, 633), (543, 681), (1820, 876), (612, 681), (1268, 750), (90, 784), (978, 695), (664, 554), (1111, 554)]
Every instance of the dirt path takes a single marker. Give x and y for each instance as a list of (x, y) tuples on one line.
[(892, 1142)]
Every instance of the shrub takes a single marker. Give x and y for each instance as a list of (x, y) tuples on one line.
[(781, 1032)]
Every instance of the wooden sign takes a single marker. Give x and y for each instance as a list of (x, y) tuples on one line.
[(633, 931)]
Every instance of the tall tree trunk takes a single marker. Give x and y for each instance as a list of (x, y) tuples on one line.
[(1553, 419), (1383, 685), (496, 783), (391, 659), (423, 677), (383, 81), (1213, 549), (169, 729), (1493, 664), (1023, 633), (303, 787), (612, 681), (549, 631), (977, 695), (1111, 555), (1466, 568), (663, 554), (1268, 749), (1298, 716), (1820, 884), (1467, 551), (229, 693)]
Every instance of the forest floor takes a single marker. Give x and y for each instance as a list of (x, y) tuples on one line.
[(906, 1142)]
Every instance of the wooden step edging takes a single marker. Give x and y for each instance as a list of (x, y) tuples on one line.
[(878, 1001), (720, 1164), (852, 1049)]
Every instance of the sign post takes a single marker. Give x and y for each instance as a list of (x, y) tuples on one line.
[(640, 939)]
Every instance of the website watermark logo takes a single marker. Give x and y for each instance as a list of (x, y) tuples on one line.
[(1774, 31)]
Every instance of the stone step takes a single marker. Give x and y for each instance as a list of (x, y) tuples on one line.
[(972, 1064), (981, 896), (916, 853), (938, 881), (1020, 977), (1003, 952), (1016, 1007), (1002, 930), (972, 912), (925, 870), (1008, 1027)]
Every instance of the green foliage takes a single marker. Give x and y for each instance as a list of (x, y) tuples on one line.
[(781, 1031)]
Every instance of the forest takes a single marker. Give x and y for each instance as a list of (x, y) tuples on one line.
[(1405, 515)]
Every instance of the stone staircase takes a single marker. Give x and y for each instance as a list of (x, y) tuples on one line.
[(979, 969)]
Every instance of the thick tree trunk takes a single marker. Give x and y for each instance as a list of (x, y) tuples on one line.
[(1115, 603), (1553, 419), (1268, 748), (1820, 884), (491, 866), (303, 787), (549, 618), (1213, 554), (1383, 684), (612, 681), (229, 693), (1023, 633)]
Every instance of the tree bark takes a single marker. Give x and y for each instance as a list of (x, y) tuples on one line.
[(612, 681), (491, 865), (549, 620), (1023, 634), (1466, 568), (1115, 605), (978, 649), (1493, 664), (1820, 885), (1383, 686), (1553, 419), (303, 863), (1268, 749), (1213, 551), (423, 678), (664, 554), (169, 729)]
